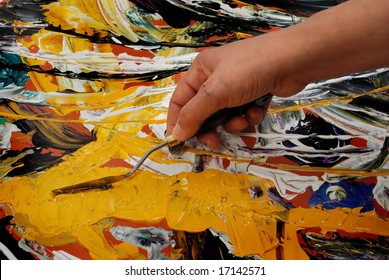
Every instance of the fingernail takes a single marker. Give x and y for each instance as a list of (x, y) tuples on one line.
[(178, 133)]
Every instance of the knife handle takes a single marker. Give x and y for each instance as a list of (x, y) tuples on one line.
[(219, 118), (224, 115)]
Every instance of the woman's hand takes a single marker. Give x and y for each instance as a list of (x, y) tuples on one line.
[(348, 38)]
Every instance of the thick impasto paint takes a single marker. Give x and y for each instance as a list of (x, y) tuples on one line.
[(84, 91)]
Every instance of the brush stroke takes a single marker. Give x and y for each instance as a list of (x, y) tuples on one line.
[(151, 239), (344, 246)]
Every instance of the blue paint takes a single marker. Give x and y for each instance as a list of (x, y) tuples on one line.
[(152, 239), (12, 70), (357, 194)]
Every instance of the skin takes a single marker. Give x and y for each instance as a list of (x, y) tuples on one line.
[(348, 38)]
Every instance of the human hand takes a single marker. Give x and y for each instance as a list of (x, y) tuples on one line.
[(328, 44), (224, 77)]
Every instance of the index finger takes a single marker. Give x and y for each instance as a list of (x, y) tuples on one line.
[(186, 89)]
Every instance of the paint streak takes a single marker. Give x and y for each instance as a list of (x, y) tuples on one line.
[(151, 239), (85, 87), (342, 245)]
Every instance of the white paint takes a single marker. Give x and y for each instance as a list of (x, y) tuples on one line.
[(7, 252), (62, 255), (116, 19), (288, 184), (168, 169), (254, 13), (381, 192), (87, 61), (6, 131), (19, 95)]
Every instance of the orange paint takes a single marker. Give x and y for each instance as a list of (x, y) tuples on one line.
[(115, 162), (47, 66), (226, 163), (118, 49), (29, 85), (249, 141), (33, 49), (21, 141), (53, 152), (358, 142)]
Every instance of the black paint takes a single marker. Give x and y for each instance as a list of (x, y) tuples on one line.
[(7, 239)]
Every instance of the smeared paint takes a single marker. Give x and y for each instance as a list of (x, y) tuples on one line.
[(346, 194), (84, 88), (344, 246), (152, 239), (381, 192)]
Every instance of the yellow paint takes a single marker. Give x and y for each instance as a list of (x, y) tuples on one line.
[(291, 247), (193, 201), (44, 82), (92, 237), (95, 100), (116, 20), (8, 164), (56, 43), (341, 171), (71, 18), (187, 201), (349, 220), (89, 7), (325, 102)]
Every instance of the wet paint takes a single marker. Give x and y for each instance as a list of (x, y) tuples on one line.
[(84, 91)]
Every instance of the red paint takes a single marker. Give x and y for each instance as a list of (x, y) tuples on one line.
[(359, 142), (30, 86), (136, 84), (73, 116), (118, 49), (220, 38), (159, 22), (146, 129), (33, 49), (249, 141), (76, 250), (117, 162), (47, 66), (2, 213), (20, 141), (53, 152), (380, 210), (281, 160), (226, 162), (301, 200), (53, 79), (369, 180), (27, 39)]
